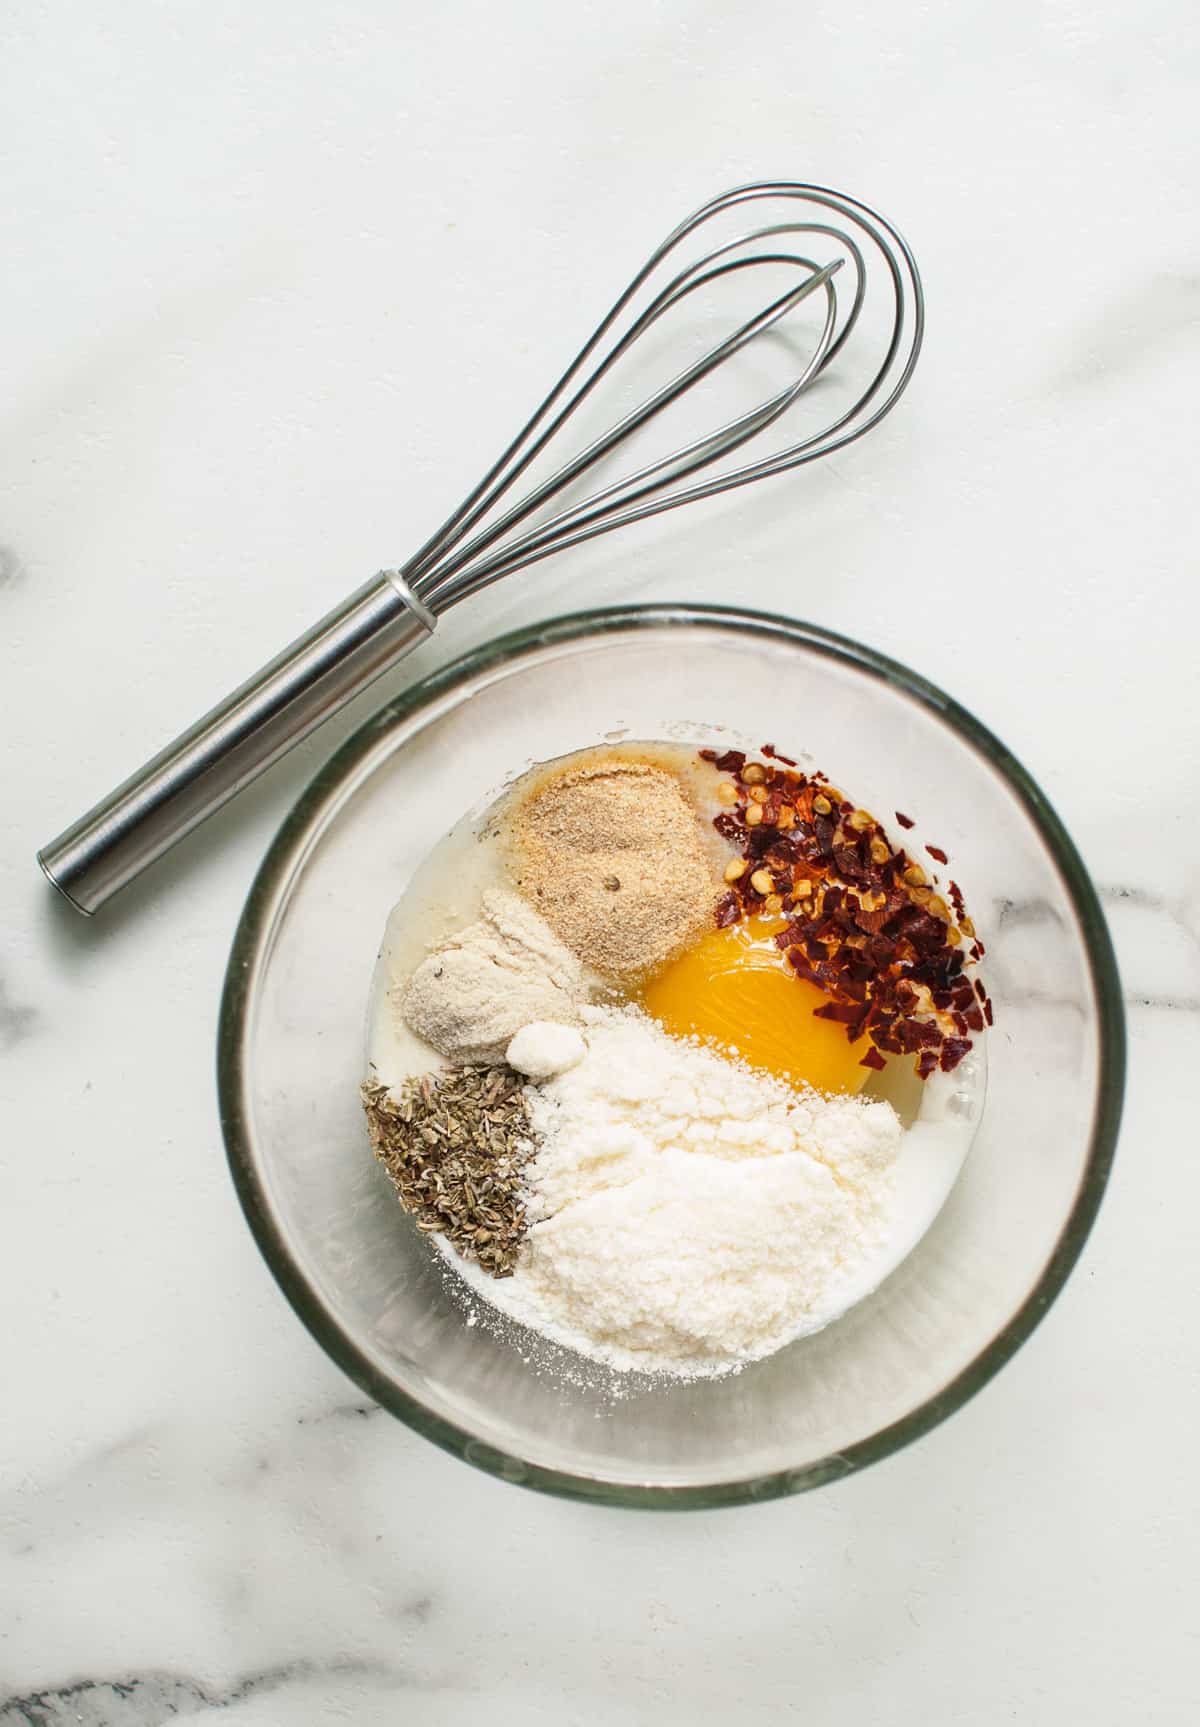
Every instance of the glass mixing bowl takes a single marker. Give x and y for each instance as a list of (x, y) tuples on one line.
[(368, 1285)]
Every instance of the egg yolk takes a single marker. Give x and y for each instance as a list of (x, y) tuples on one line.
[(734, 987)]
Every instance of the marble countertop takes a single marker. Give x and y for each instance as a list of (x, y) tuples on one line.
[(277, 280)]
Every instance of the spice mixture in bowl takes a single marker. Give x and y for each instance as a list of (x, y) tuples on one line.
[(736, 1106), (629, 1052)]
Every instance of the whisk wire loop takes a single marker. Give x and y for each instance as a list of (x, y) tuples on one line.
[(486, 537), (451, 565)]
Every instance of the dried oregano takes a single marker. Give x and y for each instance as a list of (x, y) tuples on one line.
[(453, 1143)]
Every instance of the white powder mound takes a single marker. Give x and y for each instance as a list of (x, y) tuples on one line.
[(471, 996), (543, 1050), (688, 1214)]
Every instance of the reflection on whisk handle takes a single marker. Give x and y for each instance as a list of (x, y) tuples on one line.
[(211, 762)]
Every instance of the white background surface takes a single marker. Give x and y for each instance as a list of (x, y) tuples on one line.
[(277, 280)]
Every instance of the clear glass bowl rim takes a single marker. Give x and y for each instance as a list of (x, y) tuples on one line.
[(287, 851)]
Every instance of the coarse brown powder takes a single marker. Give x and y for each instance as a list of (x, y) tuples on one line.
[(611, 855)]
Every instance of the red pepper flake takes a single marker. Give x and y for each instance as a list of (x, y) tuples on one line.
[(953, 1051), (874, 1060), (879, 952), (914, 1034), (842, 1013), (732, 762), (728, 911), (855, 927)]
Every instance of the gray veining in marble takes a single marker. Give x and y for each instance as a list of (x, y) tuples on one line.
[(12, 570), (149, 1699), (1156, 314), (17, 1019)]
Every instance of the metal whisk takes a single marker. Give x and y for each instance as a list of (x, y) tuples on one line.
[(397, 609)]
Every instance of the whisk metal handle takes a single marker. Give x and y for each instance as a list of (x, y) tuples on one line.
[(214, 759)]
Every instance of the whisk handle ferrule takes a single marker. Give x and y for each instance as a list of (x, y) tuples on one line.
[(214, 759)]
